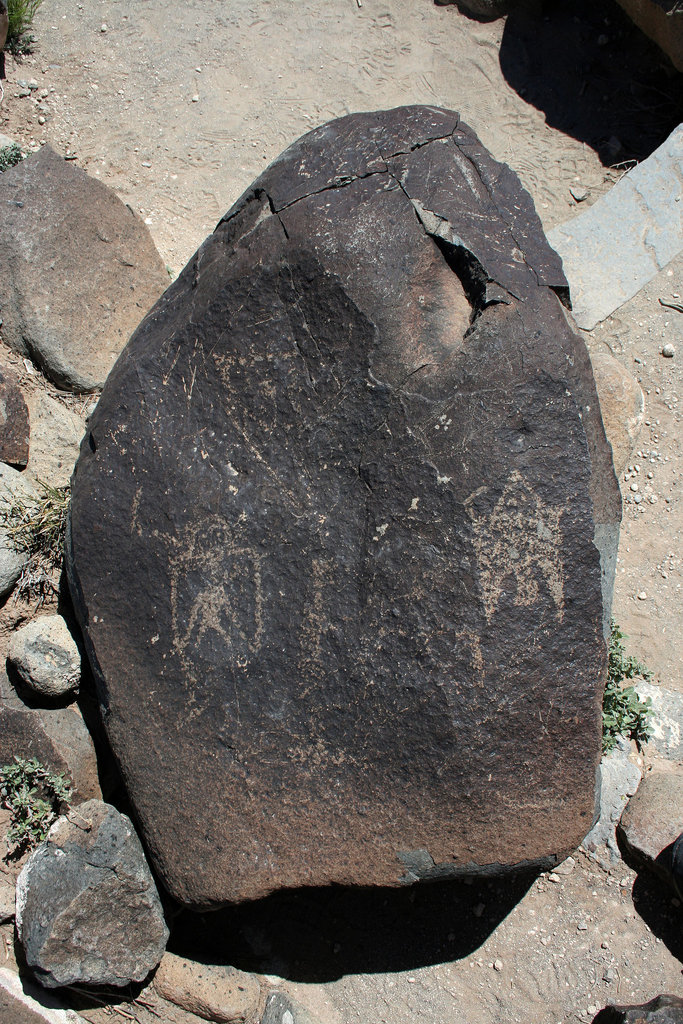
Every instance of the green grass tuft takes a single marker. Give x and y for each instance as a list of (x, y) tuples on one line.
[(37, 525), (10, 156), (35, 797), (20, 14)]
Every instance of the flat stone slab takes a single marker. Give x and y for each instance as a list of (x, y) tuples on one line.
[(611, 250), (345, 614)]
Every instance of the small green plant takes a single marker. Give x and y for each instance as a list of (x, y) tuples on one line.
[(36, 525), (10, 156), (623, 712), (20, 14), (35, 797)]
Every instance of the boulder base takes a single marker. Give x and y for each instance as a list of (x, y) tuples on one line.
[(335, 530)]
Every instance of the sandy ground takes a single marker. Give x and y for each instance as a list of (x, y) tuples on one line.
[(178, 107)]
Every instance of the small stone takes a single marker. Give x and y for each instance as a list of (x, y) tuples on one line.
[(32, 84), (195, 98), (604, 945), (498, 965), (609, 975), (579, 193), (566, 867), (103, 27), (45, 656), (146, 163), (642, 596), (637, 498), (581, 926), (44, 93), (669, 351), (553, 877), (634, 487), (87, 908)]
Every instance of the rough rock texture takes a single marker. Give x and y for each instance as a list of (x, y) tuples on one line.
[(619, 780), (56, 435), (332, 534), (622, 406), (210, 991), (13, 487), (612, 249), (20, 1003), (46, 656), (58, 737), (661, 1010), (78, 269), (87, 908), (652, 822), (666, 732), (662, 21), (14, 425)]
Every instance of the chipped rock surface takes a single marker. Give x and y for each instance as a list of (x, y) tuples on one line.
[(87, 908), (622, 405), (46, 656), (14, 424), (78, 270), (660, 1010), (323, 488), (610, 251)]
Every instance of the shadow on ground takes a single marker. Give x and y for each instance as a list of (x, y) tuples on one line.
[(653, 900), (317, 935), (595, 76)]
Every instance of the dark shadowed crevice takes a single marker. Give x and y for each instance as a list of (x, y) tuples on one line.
[(469, 270)]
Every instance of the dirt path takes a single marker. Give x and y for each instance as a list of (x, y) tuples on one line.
[(178, 107)]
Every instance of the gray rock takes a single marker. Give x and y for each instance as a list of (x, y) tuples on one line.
[(56, 435), (661, 1010), (666, 723), (620, 779), (652, 822), (13, 487), (23, 1002), (57, 737), (78, 269), (46, 656), (610, 251), (14, 425), (87, 908), (280, 1009)]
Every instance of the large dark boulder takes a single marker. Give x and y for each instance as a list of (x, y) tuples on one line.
[(334, 526)]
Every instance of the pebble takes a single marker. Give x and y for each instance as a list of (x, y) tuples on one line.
[(103, 27), (581, 926), (604, 945), (498, 965), (669, 351), (637, 498), (552, 877), (634, 487), (642, 596), (609, 975), (579, 193), (195, 98), (146, 163), (44, 93), (32, 84), (41, 119)]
